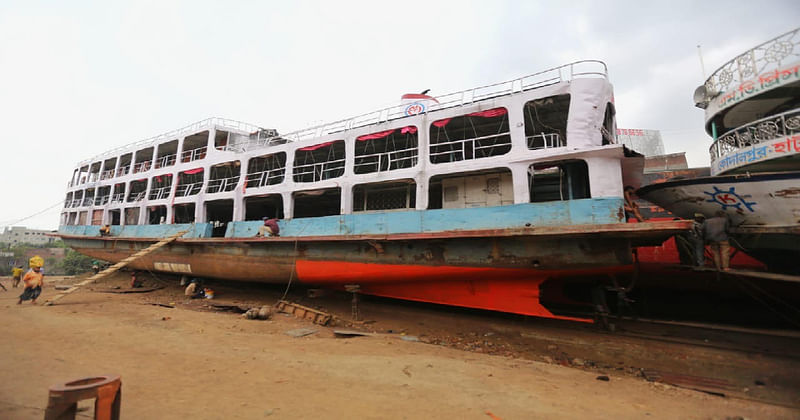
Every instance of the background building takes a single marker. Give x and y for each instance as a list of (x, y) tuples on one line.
[(21, 235)]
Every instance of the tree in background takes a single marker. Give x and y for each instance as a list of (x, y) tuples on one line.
[(74, 263)]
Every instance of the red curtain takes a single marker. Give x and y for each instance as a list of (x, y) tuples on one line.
[(494, 112), (379, 135), (317, 146), (193, 171)]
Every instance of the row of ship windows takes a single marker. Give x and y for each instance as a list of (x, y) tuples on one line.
[(472, 136), (565, 180)]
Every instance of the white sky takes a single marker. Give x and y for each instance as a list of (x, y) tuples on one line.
[(79, 77)]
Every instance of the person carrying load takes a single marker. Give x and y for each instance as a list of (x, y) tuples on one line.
[(34, 280), (16, 273)]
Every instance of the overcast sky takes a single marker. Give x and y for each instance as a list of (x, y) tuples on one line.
[(78, 78)]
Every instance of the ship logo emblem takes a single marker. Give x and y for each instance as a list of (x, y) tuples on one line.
[(415, 108), (729, 198)]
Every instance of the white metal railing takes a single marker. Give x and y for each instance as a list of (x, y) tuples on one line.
[(208, 123), (160, 193), (185, 190), (222, 184), (94, 177), (544, 141), (107, 174), (260, 179), (118, 198), (193, 154), (564, 73), (319, 171), (137, 196), (123, 170), (75, 203), (103, 199), (458, 148), (763, 130), (87, 202), (165, 161), (770, 55), (396, 159), (141, 167)]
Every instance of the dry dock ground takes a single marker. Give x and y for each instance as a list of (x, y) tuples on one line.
[(182, 363)]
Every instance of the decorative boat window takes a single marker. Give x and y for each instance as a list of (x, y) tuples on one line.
[(77, 199), (97, 217), (189, 182), (68, 200), (258, 207), (125, 164), (324, 202), (82, 216), (156, 215), (473, 136), (119, 193), (137, 191), (546, 122), (73, 219), (114, 217), (132, 216), (194, 147), (224, 177), (143, 160), (609, 127), (82, 175), (103, 196), (88, 198), (385, 196), (183, 213), (167, 154), (557, 181), (485, 188), (319, 162), (108, 169), (386, 150), (221, 139), (219, 213), (94, 172), (266, 170), (160, 187)]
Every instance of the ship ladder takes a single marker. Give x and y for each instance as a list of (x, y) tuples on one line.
[(114, 268)]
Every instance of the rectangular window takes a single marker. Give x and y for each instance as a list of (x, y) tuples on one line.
[(386, 150), (566, 180), (266, 170), (546, 122), (319, 162), (384, 196), (473, 136), (325, 202)]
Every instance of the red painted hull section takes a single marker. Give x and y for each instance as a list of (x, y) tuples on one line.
[(495, 289)]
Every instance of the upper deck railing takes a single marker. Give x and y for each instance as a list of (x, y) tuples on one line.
[(771, 55), (189, 129), (567, 72), (760, 131)]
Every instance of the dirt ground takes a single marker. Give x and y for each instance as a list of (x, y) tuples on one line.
[(193, 362)]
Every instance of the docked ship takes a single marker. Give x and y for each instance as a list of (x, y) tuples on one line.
[(752, 113), (474, 198)]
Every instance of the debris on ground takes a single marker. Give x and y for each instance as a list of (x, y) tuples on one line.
[(263, 313), (229, 308), (301, 332), (350, 333), (603, 378), (163, 305), (300, 311)]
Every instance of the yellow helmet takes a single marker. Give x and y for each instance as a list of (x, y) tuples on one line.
[(36, 261)]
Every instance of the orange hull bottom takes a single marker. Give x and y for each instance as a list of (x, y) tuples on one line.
[(496, 289)]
